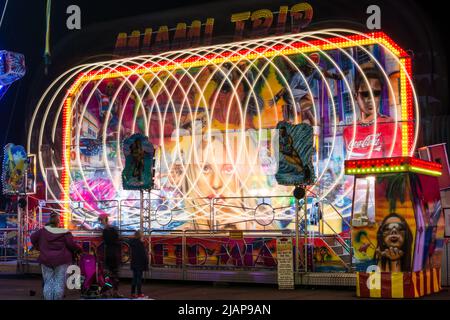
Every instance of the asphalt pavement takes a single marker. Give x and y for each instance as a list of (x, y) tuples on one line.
[(13, 287)]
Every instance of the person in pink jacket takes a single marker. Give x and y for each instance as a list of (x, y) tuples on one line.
[(56, 251)]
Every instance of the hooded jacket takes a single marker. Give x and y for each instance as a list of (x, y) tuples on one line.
[(56, 246), (139, 255)]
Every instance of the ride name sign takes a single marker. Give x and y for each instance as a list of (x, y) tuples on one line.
[(247, 24), (285, 264)]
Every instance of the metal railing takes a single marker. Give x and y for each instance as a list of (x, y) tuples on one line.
[(9, 245), (161, 213), (160, 216), (232, 253), (343, 241)]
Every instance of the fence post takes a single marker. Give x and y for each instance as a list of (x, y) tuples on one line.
[(141, 224), (305, 203), (150, 253), (119, 212), (150, 210), (297, 227), (212, 215), (183, 254), (20, 232)]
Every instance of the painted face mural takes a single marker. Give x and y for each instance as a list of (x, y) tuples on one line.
[(394, 244), (394, 233), (367, 105), (404, 231)]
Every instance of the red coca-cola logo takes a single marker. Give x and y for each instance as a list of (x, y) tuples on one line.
[(369, 141)]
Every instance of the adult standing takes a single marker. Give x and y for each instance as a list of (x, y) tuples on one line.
[(56, 252), (112, 252)]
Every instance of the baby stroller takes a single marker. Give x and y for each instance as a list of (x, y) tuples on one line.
[(94, 283)]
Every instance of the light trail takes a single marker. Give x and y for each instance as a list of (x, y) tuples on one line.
[(163, 68)]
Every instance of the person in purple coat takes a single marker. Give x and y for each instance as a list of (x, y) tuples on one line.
[(56, 252)]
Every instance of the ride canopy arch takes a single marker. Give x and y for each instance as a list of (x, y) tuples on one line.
[(211, 113)]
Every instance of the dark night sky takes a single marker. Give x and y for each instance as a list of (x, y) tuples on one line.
[(23, 30), (413, 25)]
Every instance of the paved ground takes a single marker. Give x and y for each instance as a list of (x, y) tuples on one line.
[(14, 288)]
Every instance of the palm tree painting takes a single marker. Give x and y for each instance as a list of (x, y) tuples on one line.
[(395, 190)]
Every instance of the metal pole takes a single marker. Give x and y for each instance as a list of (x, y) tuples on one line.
[(149, 210), (150, 253), (119, 212), (306, 233), (40, 217), (27, 226), (5, 244), (142, 211), (212, 217), (351, 224), (183, 255), (297, 251), (20, 230)]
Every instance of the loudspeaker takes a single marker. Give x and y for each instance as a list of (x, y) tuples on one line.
[(299, 192)]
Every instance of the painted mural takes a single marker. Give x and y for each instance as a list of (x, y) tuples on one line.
[(215, 133), (406, 232)]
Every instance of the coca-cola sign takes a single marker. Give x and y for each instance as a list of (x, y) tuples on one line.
[(370, 140)]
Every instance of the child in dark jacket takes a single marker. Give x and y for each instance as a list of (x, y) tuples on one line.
[(139, 264)]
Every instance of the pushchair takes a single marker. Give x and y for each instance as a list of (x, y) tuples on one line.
[(94, 283)]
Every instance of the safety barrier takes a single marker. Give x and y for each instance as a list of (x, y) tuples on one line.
[(9, 244), (218, 233)]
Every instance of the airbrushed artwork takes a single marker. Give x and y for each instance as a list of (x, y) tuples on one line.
[(295, 154), (12, 68), (398, 230), (214, 126), (138, 152), (14, 169), (406, 229)]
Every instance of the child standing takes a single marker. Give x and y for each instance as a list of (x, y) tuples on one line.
[(139, 264)]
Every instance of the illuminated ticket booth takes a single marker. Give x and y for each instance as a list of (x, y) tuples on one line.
[(397, 227)]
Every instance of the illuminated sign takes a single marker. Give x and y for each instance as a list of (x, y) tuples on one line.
[(262, 21), (258, 23), (392, 165)]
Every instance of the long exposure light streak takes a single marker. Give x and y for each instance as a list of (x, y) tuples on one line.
[(170, 74)]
